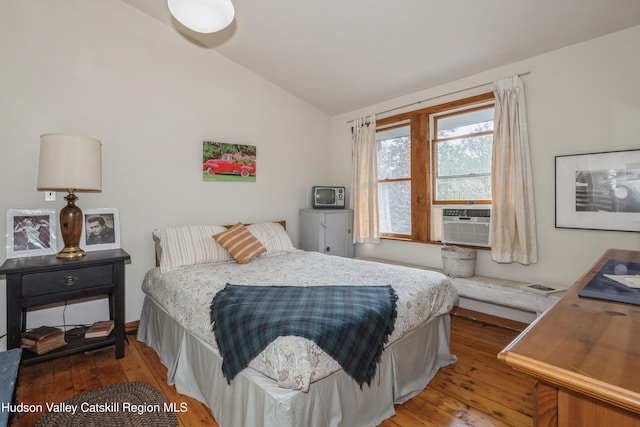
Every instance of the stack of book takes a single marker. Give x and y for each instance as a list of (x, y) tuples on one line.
[(43, 339)]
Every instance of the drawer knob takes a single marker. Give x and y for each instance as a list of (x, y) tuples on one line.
[(70, 280)]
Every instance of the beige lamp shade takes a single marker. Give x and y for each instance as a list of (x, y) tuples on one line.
[(69, 162)]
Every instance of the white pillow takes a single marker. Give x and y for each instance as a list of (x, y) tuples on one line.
[(273, 236), (189, 245)]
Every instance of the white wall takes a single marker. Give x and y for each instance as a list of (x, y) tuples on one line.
[(106, 70), (581, 99)]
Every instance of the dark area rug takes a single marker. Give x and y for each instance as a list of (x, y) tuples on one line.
[(133, 404)]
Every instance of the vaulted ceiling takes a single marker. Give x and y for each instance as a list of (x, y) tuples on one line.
[(341, 55)]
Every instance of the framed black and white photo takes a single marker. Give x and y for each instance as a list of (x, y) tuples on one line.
[(100, 229), (31, 232), (598, 191)]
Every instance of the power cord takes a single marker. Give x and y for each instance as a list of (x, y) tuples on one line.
[(77, 331), (64, 319)]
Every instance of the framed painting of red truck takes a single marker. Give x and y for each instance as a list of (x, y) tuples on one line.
[(228, 162)]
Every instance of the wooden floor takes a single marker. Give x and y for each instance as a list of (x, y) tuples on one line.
[(478, 390)]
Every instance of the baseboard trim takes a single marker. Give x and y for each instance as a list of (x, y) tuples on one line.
[(488, 318)]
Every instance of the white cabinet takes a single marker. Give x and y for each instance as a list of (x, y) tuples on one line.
[(327, 231)]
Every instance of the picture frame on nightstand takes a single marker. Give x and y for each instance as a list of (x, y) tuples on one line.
[(100, 229), (31, 232)]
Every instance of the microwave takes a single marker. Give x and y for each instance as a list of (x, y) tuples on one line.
[(327, 197)]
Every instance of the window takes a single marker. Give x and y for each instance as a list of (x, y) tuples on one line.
[(437, 155), (462, 150), (394, 179)]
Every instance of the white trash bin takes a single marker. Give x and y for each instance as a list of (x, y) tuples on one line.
[(459, 262)]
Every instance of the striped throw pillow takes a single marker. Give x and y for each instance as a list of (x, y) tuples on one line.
[(188, 245), (241, 244), (273, 236)]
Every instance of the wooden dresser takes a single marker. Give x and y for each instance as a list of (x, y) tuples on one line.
[(585, 354)]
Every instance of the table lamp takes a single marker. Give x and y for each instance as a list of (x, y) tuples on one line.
[(71, 163)]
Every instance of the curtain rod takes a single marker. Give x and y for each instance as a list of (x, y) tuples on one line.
[(439, 96)]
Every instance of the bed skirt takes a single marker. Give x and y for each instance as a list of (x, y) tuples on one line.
[(252, 399)]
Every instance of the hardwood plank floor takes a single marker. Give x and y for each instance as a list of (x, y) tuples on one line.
[(478, 390)]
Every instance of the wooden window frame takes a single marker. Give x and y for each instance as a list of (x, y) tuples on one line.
[(422, 165)]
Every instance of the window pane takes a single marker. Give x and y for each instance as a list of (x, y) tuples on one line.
[(463, 155), (467, 188), (465, 123), (394, 203), (394, 153), (466, 156)]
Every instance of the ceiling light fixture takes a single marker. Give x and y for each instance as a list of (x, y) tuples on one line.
[(202, 16)]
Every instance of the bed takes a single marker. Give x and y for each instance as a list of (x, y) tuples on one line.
[(292, 382)]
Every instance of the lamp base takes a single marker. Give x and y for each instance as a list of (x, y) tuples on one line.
[(71, 228), (71, 252)]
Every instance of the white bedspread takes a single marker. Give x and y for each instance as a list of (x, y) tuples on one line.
[(295, 362)]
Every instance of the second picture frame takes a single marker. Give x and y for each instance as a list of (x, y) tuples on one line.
[(100, 229)]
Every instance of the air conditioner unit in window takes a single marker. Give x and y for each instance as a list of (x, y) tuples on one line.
[(467, 225)]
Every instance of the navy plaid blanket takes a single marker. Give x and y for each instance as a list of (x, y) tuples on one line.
[(350, 323)]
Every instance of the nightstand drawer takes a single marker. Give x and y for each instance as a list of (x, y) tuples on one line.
[(66, 280)]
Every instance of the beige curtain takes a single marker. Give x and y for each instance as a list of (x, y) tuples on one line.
[(513, 222), (364, 194)]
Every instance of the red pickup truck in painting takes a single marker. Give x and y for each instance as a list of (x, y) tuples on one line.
[(226, 165)]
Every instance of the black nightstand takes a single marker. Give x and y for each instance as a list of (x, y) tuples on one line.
[(41, 280)]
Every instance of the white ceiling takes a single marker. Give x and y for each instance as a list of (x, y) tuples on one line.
[(342, 55)]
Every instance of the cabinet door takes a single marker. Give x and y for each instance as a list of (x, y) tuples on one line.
[(312, 232), (338, 233)]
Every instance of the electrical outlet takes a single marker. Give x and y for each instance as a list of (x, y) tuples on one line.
[(49, 196)]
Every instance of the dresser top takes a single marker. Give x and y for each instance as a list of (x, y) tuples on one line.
[(587, 345)]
